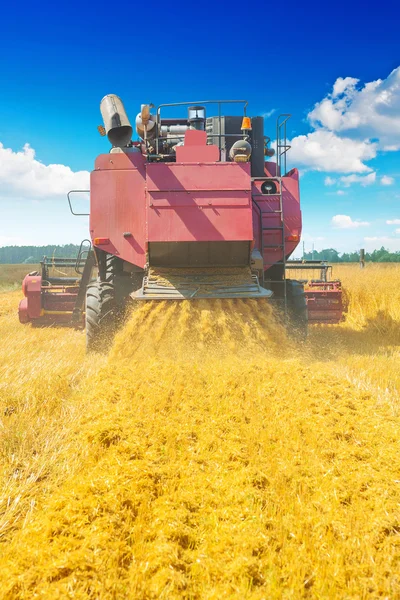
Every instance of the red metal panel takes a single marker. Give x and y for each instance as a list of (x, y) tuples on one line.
[(201, 202), (195, 137), (117, 200), (23, 311), (195, 148), (188, 154), (222, 176), (32, 286)]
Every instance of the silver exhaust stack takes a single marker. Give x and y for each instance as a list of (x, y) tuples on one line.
[(118, 128)]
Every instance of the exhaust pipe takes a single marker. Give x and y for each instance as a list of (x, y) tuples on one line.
[(117, 125), (146, 123)]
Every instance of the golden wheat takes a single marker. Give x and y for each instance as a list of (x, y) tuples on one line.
[(207, 456)]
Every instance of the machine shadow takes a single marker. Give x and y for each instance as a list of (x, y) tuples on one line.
[(200, 222)]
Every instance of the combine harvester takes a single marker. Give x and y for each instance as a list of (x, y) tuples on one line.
[(194, 209)]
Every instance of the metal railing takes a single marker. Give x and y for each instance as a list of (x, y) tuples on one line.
[(282, 146)]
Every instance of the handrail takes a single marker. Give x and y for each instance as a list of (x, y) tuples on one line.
[(81, 252), (70, 205), (285, 146)]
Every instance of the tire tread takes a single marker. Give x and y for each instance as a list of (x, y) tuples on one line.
[(100, 316)]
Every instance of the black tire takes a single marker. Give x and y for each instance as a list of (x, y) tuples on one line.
[(100, 316), (297, 309)]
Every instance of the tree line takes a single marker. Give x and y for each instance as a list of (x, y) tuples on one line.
[(333, 256), (13, 255)]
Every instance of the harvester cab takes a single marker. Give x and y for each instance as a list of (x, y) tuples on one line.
[(194, 208)]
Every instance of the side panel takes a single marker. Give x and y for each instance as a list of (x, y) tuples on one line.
[(117, 205), (199, 202), (271, 219)]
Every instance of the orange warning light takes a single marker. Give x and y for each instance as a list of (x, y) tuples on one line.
[(246, 123)]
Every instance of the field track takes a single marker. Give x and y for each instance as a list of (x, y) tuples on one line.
[(207, 456)]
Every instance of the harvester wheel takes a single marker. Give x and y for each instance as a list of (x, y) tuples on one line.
[(297, 308), (100, 316)]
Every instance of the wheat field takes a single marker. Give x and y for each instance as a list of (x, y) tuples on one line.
[(207, 456)]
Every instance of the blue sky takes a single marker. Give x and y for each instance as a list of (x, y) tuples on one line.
[(335, 67)]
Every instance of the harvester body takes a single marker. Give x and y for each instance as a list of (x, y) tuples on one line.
[(191, 210), (197, 213)]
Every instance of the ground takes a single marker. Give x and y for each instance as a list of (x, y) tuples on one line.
[(207, 456)]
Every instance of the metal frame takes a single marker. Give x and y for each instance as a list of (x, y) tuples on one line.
[(311, 265), (200, 103), (55, 262), (61, 287), (70, 205)]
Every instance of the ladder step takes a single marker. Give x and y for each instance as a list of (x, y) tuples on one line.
[(274, 177), (274, 246), (272, 228)]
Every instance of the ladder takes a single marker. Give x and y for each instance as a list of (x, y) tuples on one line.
[(280, 228), (282, 147)]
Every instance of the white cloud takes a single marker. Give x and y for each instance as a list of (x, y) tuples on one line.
[(341, 193), (368, 111), (386, 180), (269, 114), (393, 222), (325, 151), (22, 175), (329, 181), (346, 222), (397, 231), (344, 84), (363, 180), (350, 125)]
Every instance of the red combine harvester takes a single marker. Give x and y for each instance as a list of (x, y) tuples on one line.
[(194, 209)]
